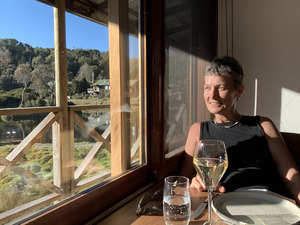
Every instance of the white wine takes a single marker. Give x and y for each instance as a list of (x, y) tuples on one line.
[(210, 170)]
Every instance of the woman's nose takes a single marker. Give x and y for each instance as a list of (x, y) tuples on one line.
[(213, 92)]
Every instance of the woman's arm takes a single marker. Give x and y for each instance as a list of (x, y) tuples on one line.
[(187, 168), (283, 159)]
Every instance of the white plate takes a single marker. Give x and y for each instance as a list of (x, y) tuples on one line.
[(255, 207)]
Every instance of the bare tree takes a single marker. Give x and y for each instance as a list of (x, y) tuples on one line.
[(85, 72), (23, 76)]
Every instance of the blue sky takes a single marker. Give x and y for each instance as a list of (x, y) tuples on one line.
[(31, 22)]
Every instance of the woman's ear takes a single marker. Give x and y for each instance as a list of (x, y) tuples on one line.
[(240, 91)]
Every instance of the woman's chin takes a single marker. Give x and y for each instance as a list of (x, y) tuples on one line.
[(214, 110)]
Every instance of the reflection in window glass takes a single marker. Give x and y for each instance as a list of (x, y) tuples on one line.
[(134, 100), (128, 120), (190, 45), (22, 183), (88, 68), (179, 73), (89, 84)]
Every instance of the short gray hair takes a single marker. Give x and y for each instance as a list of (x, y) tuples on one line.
[(227, 65)]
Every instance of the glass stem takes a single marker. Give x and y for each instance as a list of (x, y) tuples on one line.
[(209, 191)]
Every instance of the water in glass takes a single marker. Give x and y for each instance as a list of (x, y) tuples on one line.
[(177, 204)]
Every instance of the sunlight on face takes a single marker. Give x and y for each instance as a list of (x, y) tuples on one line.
[(219, 94)]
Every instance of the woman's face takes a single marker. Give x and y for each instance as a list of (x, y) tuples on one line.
[(220, 95)]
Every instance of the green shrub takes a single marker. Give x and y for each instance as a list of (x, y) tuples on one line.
[(16, 190), (12, 99), (9, 101)]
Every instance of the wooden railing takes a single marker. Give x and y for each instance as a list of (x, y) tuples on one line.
[(52, 118), (101, 141), (10, 162)]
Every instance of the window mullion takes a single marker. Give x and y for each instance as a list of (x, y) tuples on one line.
[(64, 173), (118, 61)]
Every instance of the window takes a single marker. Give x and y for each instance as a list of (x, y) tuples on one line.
[(94, 130), (116, 135), (185, 58), (27, 81), (26, 55)]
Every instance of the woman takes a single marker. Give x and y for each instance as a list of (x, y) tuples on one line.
[(257, 153)]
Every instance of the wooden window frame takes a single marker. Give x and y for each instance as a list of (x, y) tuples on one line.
[(102, 198), (107, 197)]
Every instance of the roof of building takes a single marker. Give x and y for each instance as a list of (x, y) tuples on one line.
[(104, 82)]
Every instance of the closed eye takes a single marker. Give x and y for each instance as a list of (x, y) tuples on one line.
[(221, 87), (206, 88)]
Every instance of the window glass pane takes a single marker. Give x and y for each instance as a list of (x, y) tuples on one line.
[(127, 139), (135, 80), (31, 177), (87, 58), (189, 47), (26, 54), (27, 79), (31, 162), (89, 84), (179, 73), (91, 65)]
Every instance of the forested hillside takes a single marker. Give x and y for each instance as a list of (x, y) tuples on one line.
[(27, 74)]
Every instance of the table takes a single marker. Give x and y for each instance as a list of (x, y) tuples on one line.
[(197, 197), (126, 215)]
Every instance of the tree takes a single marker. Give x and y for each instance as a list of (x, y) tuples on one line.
[(43, 75), (85, 72), (23, 76), (134, 68), (24, 66), (104, 65), (7, 83), (43, 81), (79, 86), (5, 58), (83, 85)]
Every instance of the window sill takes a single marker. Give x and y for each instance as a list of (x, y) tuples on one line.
[(124, 212)]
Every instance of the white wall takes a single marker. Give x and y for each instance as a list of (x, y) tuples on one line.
[(266, 40)]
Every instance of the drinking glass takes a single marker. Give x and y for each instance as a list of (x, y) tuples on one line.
[(210, 161), (177, 203)]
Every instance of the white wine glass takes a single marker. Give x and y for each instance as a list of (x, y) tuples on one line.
[(210, 161)]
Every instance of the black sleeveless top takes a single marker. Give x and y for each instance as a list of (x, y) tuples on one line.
[(249, 160)]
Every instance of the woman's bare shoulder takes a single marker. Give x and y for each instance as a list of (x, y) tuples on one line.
[(265, 119), (196, 125), (266, 122), (268, 127), (194, 135)]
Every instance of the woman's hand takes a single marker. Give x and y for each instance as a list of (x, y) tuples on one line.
[(199, 185)]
